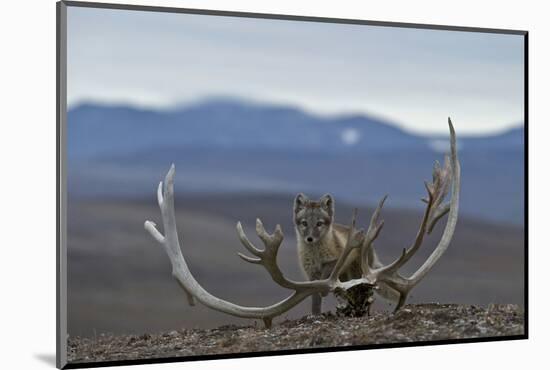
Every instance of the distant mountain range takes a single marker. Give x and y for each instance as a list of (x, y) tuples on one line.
[(226, 145)]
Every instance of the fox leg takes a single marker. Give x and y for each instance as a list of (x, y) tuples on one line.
[(316, 299), (326, 270), (316, 303)]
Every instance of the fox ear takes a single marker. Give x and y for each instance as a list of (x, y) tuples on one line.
[(327, 203), (300, 202)]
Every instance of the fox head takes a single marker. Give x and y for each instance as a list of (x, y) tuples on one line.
[(313, 219)]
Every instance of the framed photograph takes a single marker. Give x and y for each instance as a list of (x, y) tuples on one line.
[(236, 184)]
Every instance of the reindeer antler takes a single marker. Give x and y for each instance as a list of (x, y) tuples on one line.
[(374, 273)]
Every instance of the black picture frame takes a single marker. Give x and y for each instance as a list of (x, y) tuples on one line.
[(61, 186)]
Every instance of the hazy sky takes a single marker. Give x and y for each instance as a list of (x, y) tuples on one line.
[(414, 77)]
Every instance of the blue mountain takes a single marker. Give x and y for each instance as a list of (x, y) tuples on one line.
[(100, 129), (222, 145)]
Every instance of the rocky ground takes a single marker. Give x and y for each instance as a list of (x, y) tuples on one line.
[(414, 323)]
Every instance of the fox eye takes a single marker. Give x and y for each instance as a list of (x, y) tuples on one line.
[(320, 223), (304, 223)]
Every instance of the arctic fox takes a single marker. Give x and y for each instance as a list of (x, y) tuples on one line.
[(321, 241)]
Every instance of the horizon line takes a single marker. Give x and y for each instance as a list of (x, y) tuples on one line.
[(183, 105)]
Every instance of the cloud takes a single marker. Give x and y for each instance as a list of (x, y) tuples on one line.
[(414, 77)]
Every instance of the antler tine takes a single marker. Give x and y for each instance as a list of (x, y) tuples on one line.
[(257, 261), (355, 240), (268, 256), (247, 244), (353, 221), (273, 241), (437, 214), (409, 252), (375, 226), (160, 197), (152, 228), (442, 181)]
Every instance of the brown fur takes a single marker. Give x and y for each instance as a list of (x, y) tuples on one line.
[(314, 220)]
